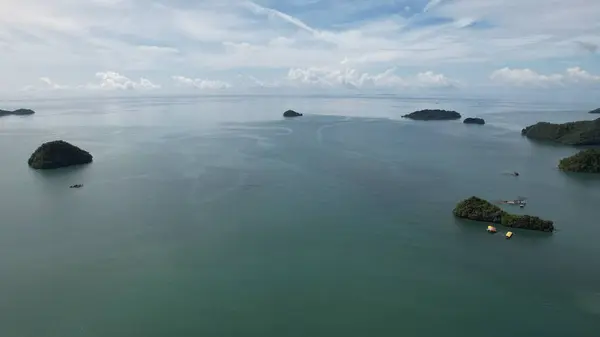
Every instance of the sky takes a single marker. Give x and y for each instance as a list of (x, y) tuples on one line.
[(210, 46)]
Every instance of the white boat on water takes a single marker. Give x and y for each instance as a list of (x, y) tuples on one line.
[(519, 202)]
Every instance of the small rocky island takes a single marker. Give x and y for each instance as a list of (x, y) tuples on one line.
[(478, 209), (596, 111), (474, 120), (586, 161), (18, 112), (57, 154), (572, 133), (291, 113), (433, 115)]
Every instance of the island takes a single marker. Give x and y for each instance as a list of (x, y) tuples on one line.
[(596, 111), (18, 112), (433, 115), (586, 161), (478, 209), (571, 133), (291, 113), (57, 154), (472, 120)]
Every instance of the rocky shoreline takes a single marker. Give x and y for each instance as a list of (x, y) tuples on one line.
[(474, 120), (18, 112), (291, 113), (586, 161), (571, 133), (433, 115), (58, 154), (478, 209)]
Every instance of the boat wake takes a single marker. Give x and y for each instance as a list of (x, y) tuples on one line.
[(327, 126)]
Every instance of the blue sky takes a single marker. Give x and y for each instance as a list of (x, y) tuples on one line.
[(357, 45)]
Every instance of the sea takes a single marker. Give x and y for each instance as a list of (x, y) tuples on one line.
[(215, 216)]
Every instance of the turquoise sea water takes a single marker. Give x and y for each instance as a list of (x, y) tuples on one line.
[(215, 217)]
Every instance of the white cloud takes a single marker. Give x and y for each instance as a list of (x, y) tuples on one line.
[(108, 81), (577, 74), (347, 77), (525, 77), (272, 13), (111, 80), (352, 78), (200, 83), (52, 85), (528, 77), (253, 82), (161, 38), (431, 4), (47, 84), (430, 79)]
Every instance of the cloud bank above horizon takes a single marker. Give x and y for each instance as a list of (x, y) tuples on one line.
[(393, 45)]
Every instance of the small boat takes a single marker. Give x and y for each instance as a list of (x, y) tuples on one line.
[(521, 202), (491, 229), (76, 186), (509, 235)]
